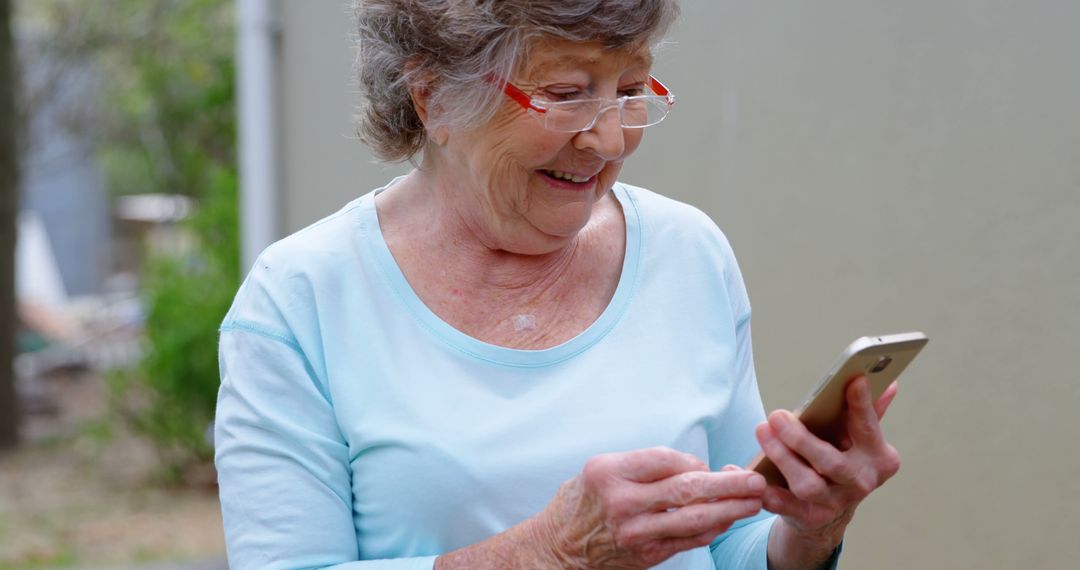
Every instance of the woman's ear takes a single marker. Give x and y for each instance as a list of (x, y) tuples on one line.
[(420, 99), (420, 93)]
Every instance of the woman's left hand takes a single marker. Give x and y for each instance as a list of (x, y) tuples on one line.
[(825, 483)]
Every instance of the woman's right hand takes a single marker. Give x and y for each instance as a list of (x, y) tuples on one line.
[(636, 509)]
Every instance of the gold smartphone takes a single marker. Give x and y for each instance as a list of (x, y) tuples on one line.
[(880, 358)]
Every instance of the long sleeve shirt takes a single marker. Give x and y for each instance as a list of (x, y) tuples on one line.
[(355, 429)]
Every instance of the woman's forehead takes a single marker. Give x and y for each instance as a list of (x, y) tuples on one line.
[(553, 55)]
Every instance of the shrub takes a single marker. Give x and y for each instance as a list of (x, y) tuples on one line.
[(187, 297)]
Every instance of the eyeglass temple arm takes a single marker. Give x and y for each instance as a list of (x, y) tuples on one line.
[(657, 87), (661, 89), (521, 97)]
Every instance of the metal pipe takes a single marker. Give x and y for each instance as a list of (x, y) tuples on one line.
[(258, 55)]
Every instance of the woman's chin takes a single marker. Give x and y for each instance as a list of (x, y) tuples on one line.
[(564, 230), (547, 236)]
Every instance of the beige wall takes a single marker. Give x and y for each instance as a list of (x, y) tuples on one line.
[(879, 166), (324, 165)]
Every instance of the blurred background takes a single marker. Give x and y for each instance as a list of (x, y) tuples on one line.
[(878, 166), (120, 222)]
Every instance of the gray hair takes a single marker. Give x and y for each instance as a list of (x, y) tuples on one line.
[(450, 49)]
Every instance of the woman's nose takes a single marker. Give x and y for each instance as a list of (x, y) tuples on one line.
[(606, 137)]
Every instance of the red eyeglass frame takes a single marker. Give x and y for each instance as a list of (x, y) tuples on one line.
[(522, 98)]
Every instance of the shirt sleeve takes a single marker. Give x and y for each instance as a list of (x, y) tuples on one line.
[(283, 465), (745, 544)]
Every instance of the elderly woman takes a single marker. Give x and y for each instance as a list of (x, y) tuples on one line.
[(506, 358)]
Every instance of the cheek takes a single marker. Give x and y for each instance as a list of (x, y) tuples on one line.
[(520, 151), (632, 139), (539, 149), (518, 138)]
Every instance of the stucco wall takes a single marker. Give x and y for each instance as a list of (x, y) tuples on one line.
[(324, 165)]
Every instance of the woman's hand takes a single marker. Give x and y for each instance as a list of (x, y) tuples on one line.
[(825, 483), (636, 509)]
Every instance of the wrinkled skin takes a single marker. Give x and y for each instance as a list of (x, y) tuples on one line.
[(636, 509), (615, 514), (825, 483)]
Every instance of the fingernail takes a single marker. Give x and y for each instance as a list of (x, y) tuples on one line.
[(756, 482), (779, 421), (752, 504)]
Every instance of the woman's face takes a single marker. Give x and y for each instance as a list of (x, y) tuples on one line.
[(525, 189)]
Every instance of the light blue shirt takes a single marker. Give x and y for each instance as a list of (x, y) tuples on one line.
[(356, 428)]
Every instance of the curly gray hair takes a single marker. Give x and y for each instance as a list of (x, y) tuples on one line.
[(450, 48)]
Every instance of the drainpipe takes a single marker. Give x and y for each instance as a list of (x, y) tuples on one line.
[(258, 56)]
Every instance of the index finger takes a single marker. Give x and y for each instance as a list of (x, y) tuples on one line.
[(698, 487), (656, 463)]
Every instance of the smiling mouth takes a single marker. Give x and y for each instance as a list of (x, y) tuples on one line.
[(566, 176)]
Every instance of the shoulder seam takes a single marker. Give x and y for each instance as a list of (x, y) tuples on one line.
[(266, 332)]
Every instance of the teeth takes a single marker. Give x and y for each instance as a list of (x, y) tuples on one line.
[(568, 176)]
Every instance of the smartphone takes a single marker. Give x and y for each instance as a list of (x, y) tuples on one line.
[(880, 358)]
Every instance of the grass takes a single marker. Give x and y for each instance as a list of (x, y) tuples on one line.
[(85, 491)]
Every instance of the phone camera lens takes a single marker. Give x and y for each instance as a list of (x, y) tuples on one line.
[(881, 364)]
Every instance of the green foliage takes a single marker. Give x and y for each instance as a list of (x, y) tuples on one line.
[(185, 90), (63, 558), (170, 95), (187, 297), (165, 123)]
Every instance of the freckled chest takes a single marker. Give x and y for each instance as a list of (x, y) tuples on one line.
[(529, 319), (554, 310)]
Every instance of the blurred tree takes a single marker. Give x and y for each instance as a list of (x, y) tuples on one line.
[(8, 202), (164, 72), (171, 128), (163, 121)]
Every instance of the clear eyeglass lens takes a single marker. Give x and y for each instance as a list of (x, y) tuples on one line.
[(572, 116)]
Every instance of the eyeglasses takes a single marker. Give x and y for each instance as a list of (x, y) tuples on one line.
[(576, 115)]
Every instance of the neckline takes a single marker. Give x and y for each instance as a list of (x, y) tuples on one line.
[(371, 233)]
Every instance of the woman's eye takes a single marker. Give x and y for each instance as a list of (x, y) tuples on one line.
[(563, 95), (632, 91)]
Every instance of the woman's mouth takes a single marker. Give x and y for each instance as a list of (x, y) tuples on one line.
[(568, 180)]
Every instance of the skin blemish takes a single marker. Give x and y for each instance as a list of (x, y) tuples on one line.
[(524, 322)]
